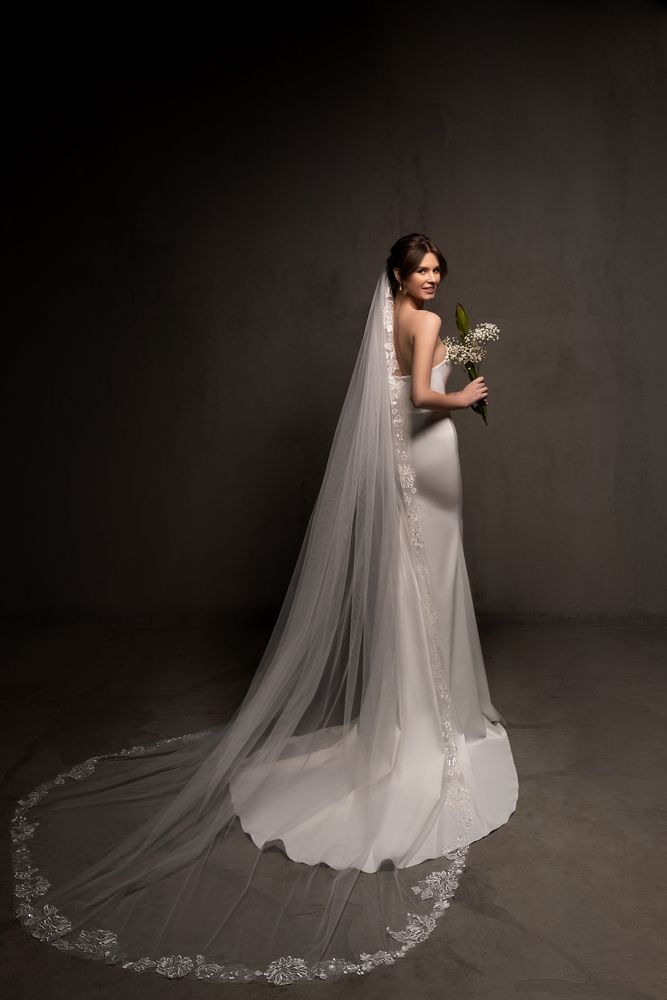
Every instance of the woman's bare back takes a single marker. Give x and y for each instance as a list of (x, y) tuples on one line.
[(406, 321)]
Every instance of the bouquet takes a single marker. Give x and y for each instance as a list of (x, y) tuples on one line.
[(470, 350)]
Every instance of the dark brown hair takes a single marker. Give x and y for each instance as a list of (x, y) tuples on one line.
[(407, 254)]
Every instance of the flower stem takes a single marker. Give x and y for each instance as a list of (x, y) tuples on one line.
[(480, 407)]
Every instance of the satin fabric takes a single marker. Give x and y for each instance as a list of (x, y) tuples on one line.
[(306, 800), (366, 743)]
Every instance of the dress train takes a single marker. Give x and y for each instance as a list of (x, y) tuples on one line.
[(307, 801)]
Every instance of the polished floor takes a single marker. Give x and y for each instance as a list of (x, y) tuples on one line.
[(566, 900)]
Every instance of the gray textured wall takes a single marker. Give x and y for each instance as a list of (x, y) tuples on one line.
[(195, 236)]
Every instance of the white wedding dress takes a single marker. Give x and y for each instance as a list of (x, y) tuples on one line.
[(324, 828), (304, 799)]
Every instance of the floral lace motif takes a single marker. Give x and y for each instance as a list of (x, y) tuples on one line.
[(48, 924), (458, 795)]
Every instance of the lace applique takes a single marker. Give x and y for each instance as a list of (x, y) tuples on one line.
[(81, 771), (417, 930), (442, 885), (45, 923), (286, 970), (21, 830), (141, 965), (48, 924), (30, 884), (215, 972), (174, 966), (97, 944), (458, 795), (369, 962)]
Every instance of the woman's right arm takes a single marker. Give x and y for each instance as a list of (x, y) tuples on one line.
[(423, 348)]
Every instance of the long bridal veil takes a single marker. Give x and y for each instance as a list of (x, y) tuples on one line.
[(252, 850)]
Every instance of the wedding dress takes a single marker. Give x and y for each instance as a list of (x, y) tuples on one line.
[(324, 829)]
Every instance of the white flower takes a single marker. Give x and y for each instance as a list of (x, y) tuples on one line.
[(469, 352), (484, 332)]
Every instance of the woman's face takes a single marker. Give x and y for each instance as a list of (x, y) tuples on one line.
[(423, 283)]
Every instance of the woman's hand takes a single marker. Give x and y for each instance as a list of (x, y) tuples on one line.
[(474, 392)]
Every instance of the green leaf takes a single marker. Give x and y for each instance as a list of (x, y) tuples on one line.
[(462, 321)]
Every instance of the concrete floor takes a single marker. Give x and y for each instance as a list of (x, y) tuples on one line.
[(563, 901)]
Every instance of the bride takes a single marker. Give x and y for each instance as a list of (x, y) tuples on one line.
[(323, 830)]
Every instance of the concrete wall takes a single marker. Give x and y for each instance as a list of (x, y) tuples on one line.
[(197, 221)]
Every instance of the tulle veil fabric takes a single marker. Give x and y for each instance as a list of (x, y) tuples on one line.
[(140, 857)]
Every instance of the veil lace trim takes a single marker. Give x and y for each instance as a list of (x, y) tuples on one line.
[(458, 796), (49, 924)]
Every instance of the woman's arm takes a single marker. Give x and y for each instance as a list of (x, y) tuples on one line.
[(427, 328)]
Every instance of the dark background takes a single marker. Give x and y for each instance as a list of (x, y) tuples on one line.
[(196, 214)]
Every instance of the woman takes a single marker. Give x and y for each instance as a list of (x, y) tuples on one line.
[(323, 830)]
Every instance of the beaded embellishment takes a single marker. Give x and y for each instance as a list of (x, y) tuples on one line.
[(48, 924), (458, 794)]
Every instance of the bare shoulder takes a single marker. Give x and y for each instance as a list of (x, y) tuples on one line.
[(425, 324), (426, 320)]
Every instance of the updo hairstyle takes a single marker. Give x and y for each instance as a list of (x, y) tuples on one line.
[(407, 254)]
